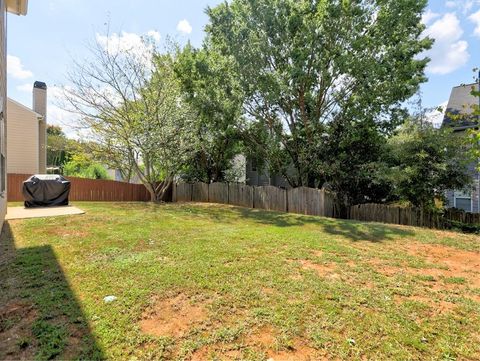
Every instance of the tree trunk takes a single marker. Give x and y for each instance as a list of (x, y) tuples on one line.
[(158, 190), (151, 191)]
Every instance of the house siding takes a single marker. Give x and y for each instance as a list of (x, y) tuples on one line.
[(23, 140), (475, 194), (460, 102), (476, 191), (3, 105)]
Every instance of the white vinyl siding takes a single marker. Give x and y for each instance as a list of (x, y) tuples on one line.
[(22, 139)]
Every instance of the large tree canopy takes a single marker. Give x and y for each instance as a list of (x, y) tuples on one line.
[(213, 92), (306, 65)]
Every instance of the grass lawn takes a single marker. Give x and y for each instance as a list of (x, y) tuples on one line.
[(200, 282)]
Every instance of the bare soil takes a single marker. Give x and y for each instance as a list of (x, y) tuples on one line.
[(174, 316), (16, 340)]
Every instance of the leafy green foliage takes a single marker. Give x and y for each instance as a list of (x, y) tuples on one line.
[(80, 165), (214, 94), (59, 147), (351, 163), (306, 66), (425, 162)]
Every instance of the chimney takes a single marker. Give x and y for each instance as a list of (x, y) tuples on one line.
[(40, 107)]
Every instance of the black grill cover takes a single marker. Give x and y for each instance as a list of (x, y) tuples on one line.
[(43, 190)]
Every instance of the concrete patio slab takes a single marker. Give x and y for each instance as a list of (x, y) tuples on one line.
[(22, 212)]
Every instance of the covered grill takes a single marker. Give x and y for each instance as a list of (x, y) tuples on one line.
[(44, 190)]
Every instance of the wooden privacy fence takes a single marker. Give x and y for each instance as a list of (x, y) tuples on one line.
[(412, 216), (315, 202), (396, 215), (86, 189)]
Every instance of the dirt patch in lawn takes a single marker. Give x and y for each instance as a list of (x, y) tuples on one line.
[(439, 307), (174, 316), (212, 352), (448, 263), (454, 259), (262, 340), (16, 319), (323, 270), (458, 263), (299, 351), (67, 233)]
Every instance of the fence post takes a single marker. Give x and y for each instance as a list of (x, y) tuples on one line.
[(286, 201), (253, 196)]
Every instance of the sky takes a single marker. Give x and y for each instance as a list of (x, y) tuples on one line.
[(42, 45)]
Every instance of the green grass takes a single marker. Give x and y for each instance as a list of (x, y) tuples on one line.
[(327, 288)]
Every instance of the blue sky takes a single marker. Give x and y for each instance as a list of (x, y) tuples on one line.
[(42, 44)]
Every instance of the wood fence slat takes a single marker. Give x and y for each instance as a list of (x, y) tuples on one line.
[(86, 190), (270, 198), (184, 192), (200, 192), (240, 195), (218, 193)]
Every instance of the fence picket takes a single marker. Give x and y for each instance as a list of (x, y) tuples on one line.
[(85, 189)]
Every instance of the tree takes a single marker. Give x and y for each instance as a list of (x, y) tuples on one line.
[(352, 163), (214, 94), (425, 162), (58, 146), (82, 165), (130, 100), (308, 66)]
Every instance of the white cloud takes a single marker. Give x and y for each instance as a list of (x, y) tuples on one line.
[(155, 35), (475, 18), (15, 68), (428, 16), (435, 116), (449, 52), (463, 5), (27, 88), (184, 27), (134, 43), (56, 115)]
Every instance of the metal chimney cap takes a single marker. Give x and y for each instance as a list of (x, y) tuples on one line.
[(40, 85)]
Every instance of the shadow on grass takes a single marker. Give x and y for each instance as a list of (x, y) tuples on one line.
[(40, 317), (350, 229)]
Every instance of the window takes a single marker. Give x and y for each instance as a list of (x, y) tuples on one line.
[(462, 200), (253, 165)]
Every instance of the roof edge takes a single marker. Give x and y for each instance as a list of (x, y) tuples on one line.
[(17, 7), (24, 107), (464, 85)]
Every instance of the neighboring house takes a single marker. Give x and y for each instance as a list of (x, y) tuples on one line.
[(26, 138), (18, 7), (460, 102), (246, 171), (116, 175), (257, 176)]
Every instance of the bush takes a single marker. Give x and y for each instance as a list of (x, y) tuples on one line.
[(84, 168)]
